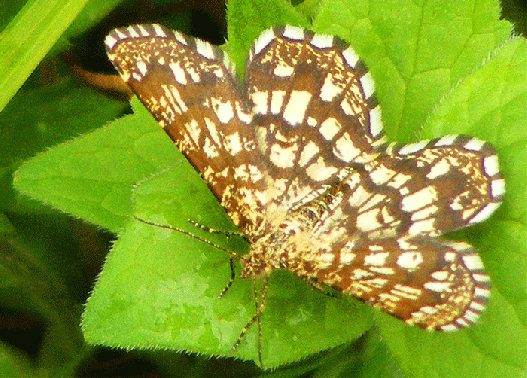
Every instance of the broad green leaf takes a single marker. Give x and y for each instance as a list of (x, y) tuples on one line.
[(453, 93), (416, 51), (92, 176), (38, 118), (263, 15), (488, 104)]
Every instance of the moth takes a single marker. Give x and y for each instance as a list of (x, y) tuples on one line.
[(298, 159)]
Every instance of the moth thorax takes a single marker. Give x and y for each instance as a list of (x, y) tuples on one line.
[(266, 254)]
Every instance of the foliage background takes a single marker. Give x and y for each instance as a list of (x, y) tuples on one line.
[(440, 67)]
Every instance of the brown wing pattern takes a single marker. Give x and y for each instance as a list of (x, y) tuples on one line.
[(431, 187), (190, 88), (428, 282), (377, 235), (315, 112)]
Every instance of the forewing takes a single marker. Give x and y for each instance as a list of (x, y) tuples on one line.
[(315, 112), (428, 282), (449, 183), (190, 88), (431, 188)]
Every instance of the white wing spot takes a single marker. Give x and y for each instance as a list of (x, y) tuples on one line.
[(180, 38), (474, 145), (329, 128), (210, 149), (312, 122), (110, 41), (438, 287), (440, 275), (205, 49), (293, 32), (133, 32), (329, 90), (413, 148), (211, 127), (176, 97), (142, 30), (308, 152), (319, 171), (283, 157), (277, 99), (376, 121), (242, 115), (410, 260), (368, 85), (179, 73), (233, 144), (419, 199), (422, 227), (142, 67), (223, 110), (351, 57), (283, 71), (441, 168), (347, 257), (322, 41), (497, 188), (159, 31), (194, 130), (446, 141), (260, 102), (344, 148), (491, 165), (484, 213), (382, 174), (367, 221), (376, 259), (295, 109), (263, 41), (473, 262)]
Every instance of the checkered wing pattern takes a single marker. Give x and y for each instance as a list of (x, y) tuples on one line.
[(298, 159), (364, 217), (191, 89), (396, 206), (430, 187), (427, 282), (315, 112)]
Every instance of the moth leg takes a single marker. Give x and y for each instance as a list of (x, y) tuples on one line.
[(232, 255), (214, 231), (259, 307), (233, 276), (321, 288)]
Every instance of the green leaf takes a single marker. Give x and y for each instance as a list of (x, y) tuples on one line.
[(488, 104), (416, 51), (92, 176), (38, 118)]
